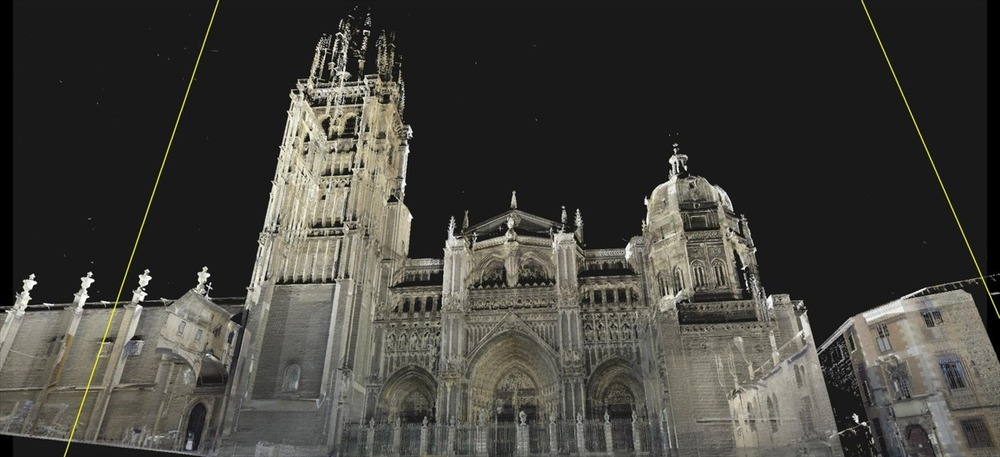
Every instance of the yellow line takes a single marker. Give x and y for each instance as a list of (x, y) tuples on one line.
[(931, 159), (142, 225)]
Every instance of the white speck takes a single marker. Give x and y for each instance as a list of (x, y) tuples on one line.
[(60, 81)]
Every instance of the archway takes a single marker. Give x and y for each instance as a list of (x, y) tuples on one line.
[(918, 444), (615, 387), (195, 427), (408, 395), (513, 371)]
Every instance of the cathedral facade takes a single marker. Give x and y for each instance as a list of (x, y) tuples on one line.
[(520, 340)]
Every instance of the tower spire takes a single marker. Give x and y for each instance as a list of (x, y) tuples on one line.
[(513, 199)]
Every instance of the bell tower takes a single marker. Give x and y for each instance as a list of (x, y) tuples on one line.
[(335, 230)]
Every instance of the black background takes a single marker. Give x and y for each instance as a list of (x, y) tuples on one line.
[(789, 106)]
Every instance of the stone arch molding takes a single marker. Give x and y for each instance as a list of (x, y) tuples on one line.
[(507, 350), (402, 387), (609, 378)]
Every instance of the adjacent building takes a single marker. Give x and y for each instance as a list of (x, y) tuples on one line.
[(919, 373)]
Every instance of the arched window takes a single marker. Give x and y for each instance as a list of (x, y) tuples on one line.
[(699, 274), (720, 272), (772, 414), (291, 379), (678, 279)]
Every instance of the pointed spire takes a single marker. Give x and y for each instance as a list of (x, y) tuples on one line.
[(578, 221), (513, 199), (203, 276), (319, 59), (465, 221), (451, 228), (562, 217)]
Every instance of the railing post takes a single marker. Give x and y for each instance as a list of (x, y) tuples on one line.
[(370, 438), (450, 450), (397, 436), (609, 445), (522, 436), (424, 438), (553, 435), (636, 438)]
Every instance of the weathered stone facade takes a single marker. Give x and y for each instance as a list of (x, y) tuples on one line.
[(521, 339), (927, 377)]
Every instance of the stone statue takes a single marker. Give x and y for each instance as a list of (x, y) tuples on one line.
[(399, 422), (425, 421), (633, 415), (144, 278), (513, 199), (524, 417), (371, 422), (203, 276), (607, 417), (86, 281), (510, 222)]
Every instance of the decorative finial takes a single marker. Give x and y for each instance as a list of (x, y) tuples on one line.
[(139, 294), (562, 217), (203, 276), (22, 298), (513, 199), (465, 221), (451, 228), (578, 219), (86, 281), (678, 162), (29, 283)]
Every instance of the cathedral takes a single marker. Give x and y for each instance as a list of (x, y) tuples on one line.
[(520, 340)]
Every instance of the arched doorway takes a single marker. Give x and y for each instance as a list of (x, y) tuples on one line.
[(918, 444), (409, 396), (195, 427)]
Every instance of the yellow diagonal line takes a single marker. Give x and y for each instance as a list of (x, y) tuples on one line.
[(931, 159), (135, 245)]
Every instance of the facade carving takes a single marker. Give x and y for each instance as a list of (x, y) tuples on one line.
[(520, 331)]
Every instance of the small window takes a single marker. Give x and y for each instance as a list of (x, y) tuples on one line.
[(197, 335), (291, 379), (932, 317), (976, 433), (884, 345), (954, 374), (720, 273), (180, 327), (851, 346)]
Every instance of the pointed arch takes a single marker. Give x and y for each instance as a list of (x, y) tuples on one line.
[(719, 268), (615, 386), (409, 394)]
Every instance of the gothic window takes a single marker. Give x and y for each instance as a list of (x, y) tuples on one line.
[(663, 285), (598, 297), (772, 414), (613, 331), (621, 296), (418, 305), (976, 433), (882, 339), (609, 296), (390, 342), (678, 279), (406, 305), (588, 332), (954, 374), (699, 274), (290, 383), (626, 332), (180, 327), (720, 272), (932, 317)]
